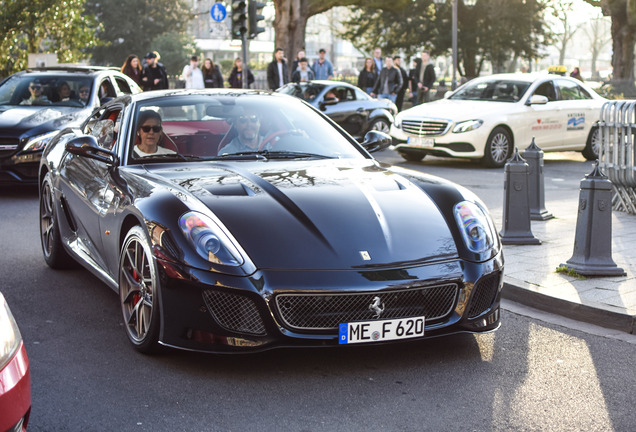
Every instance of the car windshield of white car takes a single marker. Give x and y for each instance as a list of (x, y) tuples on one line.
[(45, 89), (496, 91), (233, 127)]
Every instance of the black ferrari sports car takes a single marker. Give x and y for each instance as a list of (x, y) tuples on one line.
[(353, 109), (237, 220)]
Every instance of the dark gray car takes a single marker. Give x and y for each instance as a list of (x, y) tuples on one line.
[(35, 104)]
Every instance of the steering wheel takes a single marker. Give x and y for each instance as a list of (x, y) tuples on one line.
[(270, 138)]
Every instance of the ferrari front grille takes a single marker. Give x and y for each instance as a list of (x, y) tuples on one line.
[(326, 310), (234, 312), (425, 127), (484, 295)]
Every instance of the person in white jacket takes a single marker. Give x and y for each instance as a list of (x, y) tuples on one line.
[(192, 75)]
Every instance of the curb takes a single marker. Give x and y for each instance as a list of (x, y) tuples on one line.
[(580, 312)]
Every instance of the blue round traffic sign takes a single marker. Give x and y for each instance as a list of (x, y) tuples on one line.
[(218, 12)]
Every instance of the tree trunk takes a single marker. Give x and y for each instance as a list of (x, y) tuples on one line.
[(623, 39), (290, 24)]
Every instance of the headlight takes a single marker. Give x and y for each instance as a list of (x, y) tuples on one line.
[(209, 240), (467, 126), (10, 337), (478, 232), (39, 142)]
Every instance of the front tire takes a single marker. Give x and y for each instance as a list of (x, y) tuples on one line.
[(414, 156), (380, 124), (138, 291), (55, 255), (592, 148), (498, 148)]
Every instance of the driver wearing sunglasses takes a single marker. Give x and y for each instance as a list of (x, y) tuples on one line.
[(248, 138), (37, 97), (149, 135)]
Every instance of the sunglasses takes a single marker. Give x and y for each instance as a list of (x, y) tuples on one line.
[(155, 129), (36, 87), (83, 90), (251, 119)]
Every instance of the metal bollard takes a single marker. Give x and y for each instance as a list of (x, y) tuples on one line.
[(534, 157), (593, 241), (516, 209)]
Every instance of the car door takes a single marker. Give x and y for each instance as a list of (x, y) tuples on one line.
[(347, 112), (544, 122), (579, 114), (84, 185)]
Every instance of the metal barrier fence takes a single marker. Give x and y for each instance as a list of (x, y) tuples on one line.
[(617, 157)]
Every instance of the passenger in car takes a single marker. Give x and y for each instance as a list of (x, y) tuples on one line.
[(148, 136), (64, 91)]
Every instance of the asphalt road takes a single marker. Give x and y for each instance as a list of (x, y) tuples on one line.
[(533, 374)]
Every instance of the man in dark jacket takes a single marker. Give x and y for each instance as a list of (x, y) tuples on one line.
[(277, 70), (424, 78), (397, 62), (389, 82), (154, 76)]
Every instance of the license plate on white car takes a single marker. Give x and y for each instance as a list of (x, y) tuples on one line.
[(421, 142), (382, 330)]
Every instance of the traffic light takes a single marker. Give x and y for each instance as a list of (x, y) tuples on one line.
[(239, 18), (255, 10)]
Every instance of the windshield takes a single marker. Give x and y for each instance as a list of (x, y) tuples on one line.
[(234, 127), (494, 90), (45, 89), (305, 91)]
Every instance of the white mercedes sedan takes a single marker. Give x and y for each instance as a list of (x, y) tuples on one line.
[(488, 117)]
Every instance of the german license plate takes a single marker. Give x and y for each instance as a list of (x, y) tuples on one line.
[(421, 142), (381, 330)]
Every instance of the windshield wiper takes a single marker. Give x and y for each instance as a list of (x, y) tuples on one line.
[(163, 156), (269, 154)]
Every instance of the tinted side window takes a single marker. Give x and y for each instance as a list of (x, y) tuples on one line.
[(546, 89), (123, 85)]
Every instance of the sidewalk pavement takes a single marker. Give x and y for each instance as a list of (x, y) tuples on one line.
[(530, 275)]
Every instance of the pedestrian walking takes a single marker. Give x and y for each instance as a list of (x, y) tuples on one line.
[(154, 75), (192, 75), (212, 77), (277, 70), (377, 59), (368, 76), (425, 78), (237, 73), (303, 73), (399, 100), (323, 69), (576, 73), (389, 81), (132, 68)]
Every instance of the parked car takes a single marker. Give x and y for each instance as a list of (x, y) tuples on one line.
[(354, 110), (233, 220), (488, 117), (15, 376), (35, 104)]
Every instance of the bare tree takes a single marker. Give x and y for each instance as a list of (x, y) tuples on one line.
[(597, 34), (563, 36)]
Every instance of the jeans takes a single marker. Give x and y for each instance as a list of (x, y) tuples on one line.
[(388, 96)]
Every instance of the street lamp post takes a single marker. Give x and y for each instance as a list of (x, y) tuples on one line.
[(468, 3)]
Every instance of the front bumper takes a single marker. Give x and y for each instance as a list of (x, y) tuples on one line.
[(15, 393), (208, 312), (20, 168), (460, 145)]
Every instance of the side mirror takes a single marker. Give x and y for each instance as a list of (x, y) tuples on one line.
[(86, 146), (376, 140), (328, 101), (537, 100)]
